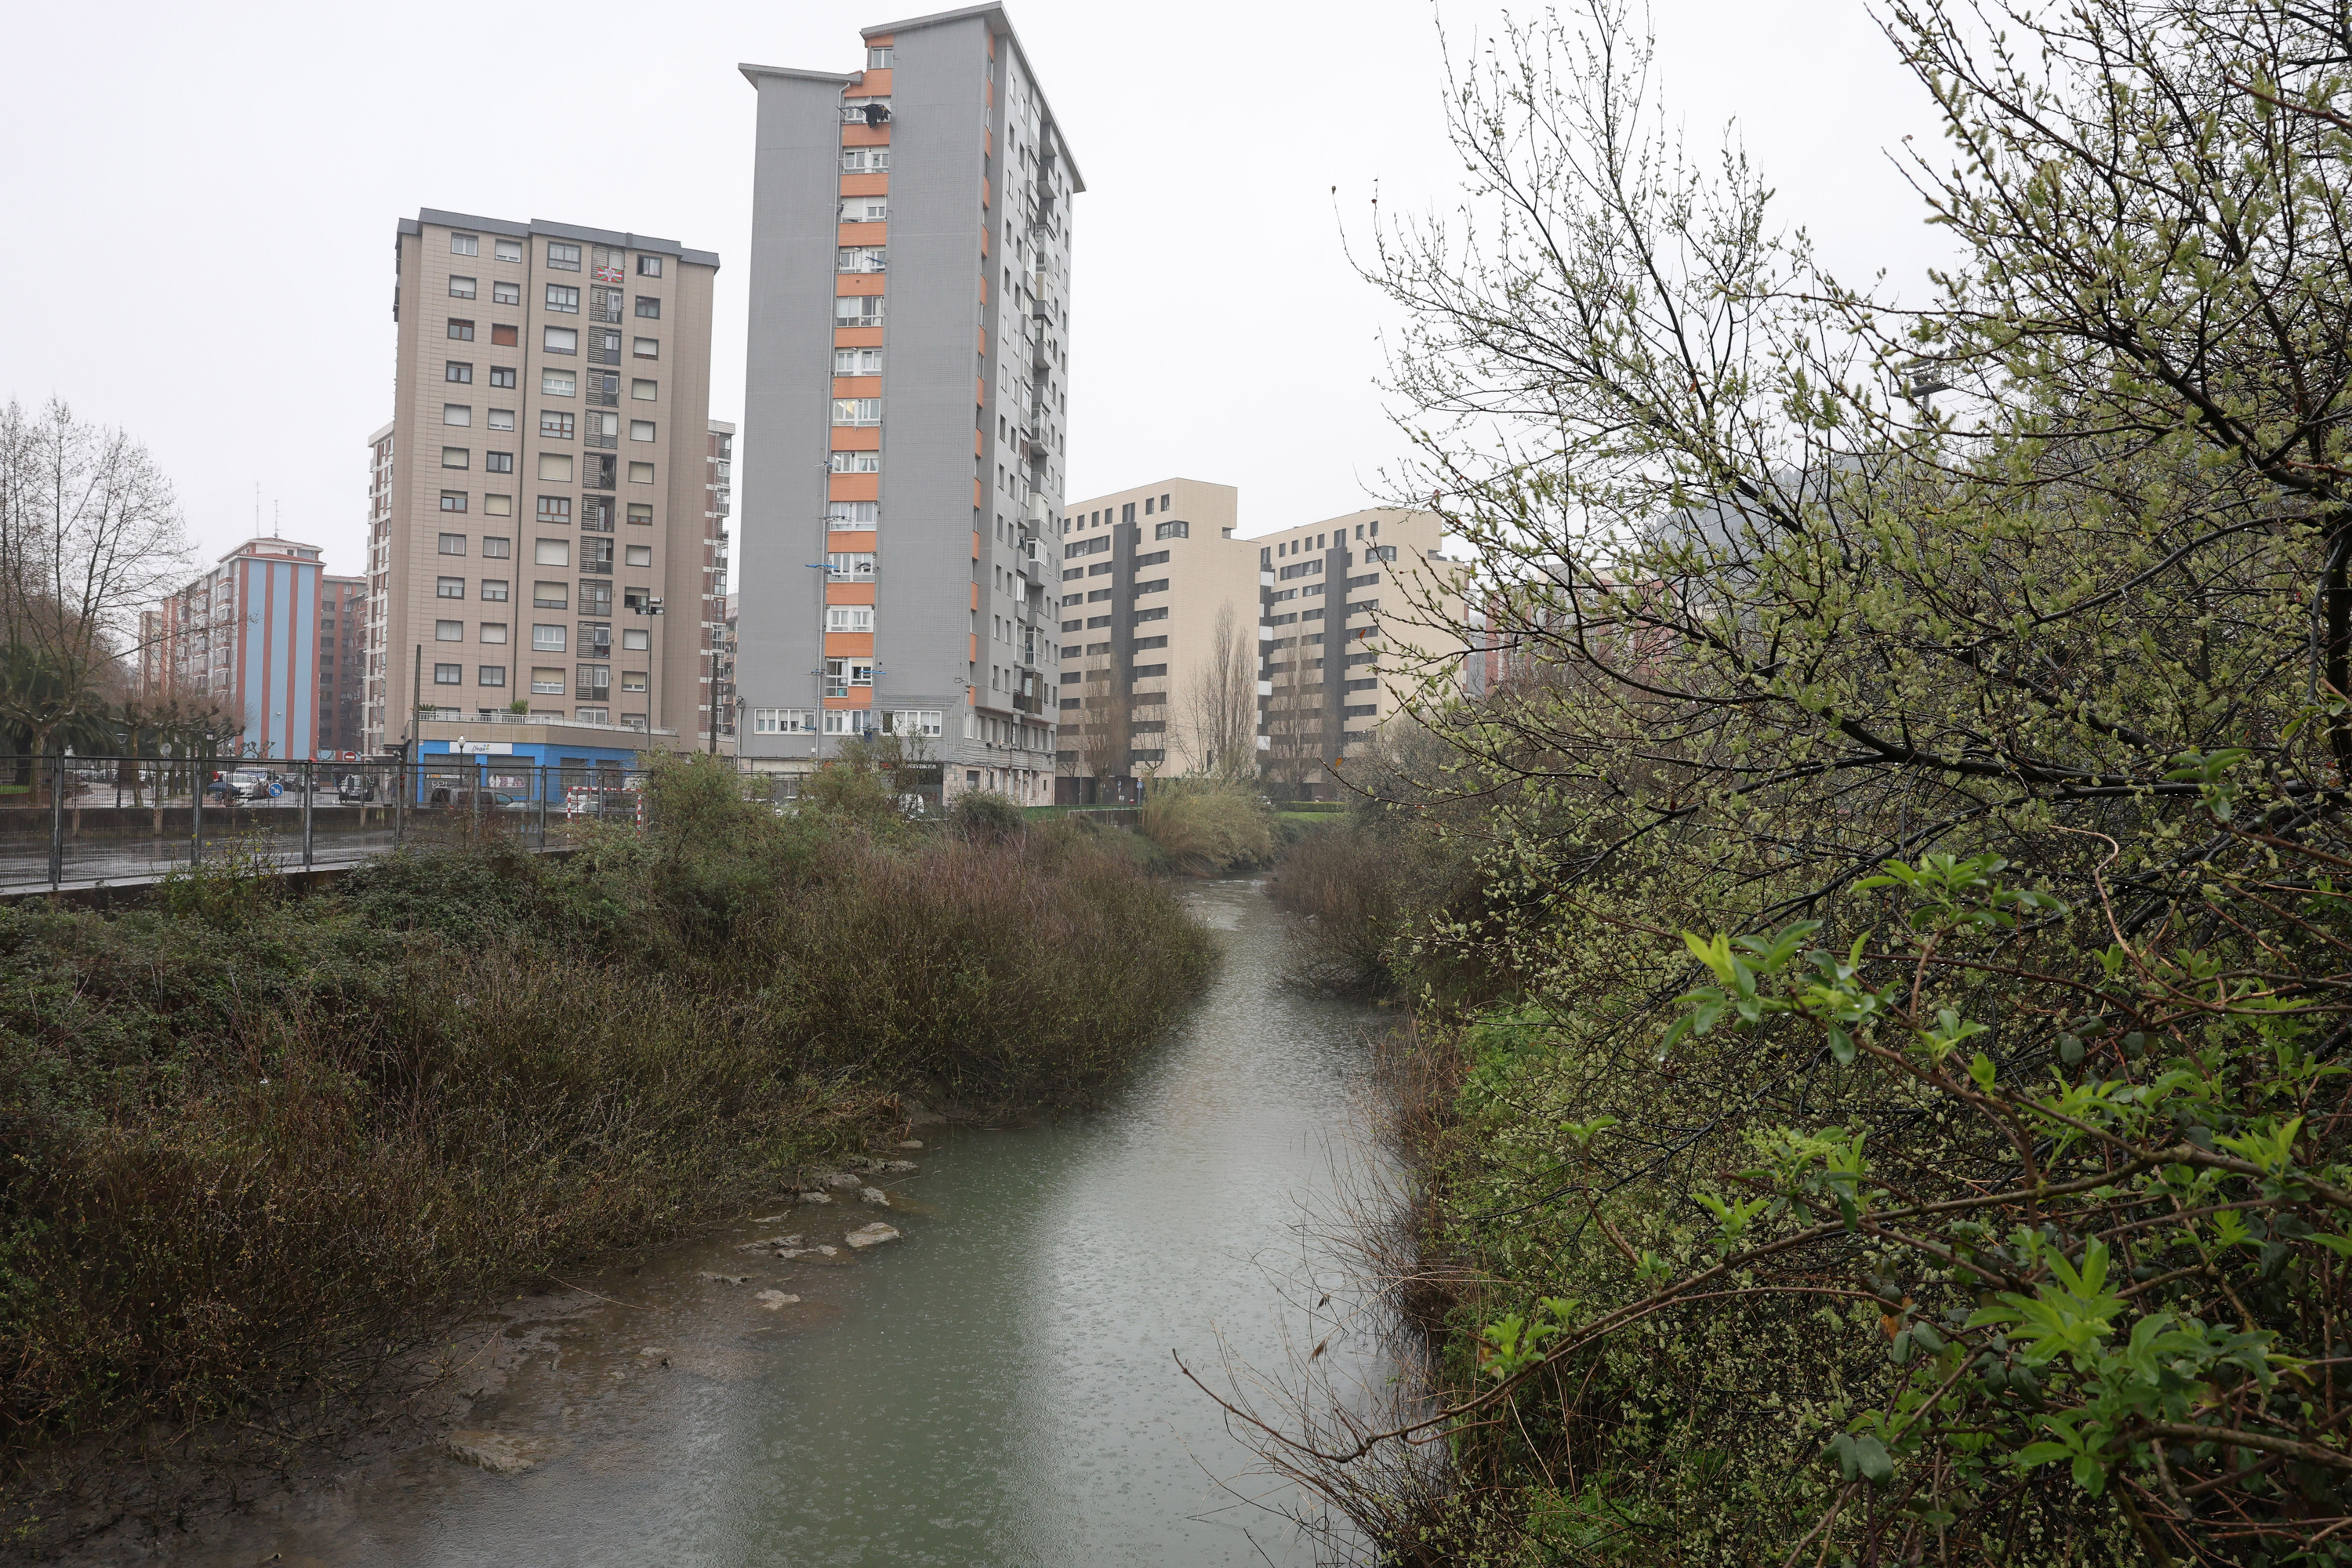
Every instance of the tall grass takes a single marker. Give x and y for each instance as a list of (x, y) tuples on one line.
[(259, 1147), (1207, 826)]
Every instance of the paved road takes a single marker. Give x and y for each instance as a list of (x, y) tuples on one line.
[(118, 862)]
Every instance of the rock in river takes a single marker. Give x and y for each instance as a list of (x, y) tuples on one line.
[(776, 1301), (873, 1235), (492, 1451), (839, 1178), (874, 1195), (817, 1197), (723, 1279)]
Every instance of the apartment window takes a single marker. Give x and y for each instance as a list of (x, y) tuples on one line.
[(635, 641), (649, 266), (504, 334), (496, 419), (639, 556), (849, 618), (453, 501), (557, 383), (552, 553), (546, 682), (552, 595), (858, 311), (865, 462), (857, 411), (1163, 503), (502, 376), (495, 546), (448, 587), (465, 245), (494, 589), (490, 675), (456, 413), (866, 160), (649, 307), (549, 639), (780, 721), (453, 544), (563, 299), (448, 674), (857, 362), (1147, 506), (509, 250), (506, 293), (859, 258), (1157, 614), (1172, 530), (494, 631), (646, 348), (458, 371), (555, 509), (561, 340), (461, 288), (448, 631), (1156, 558), (561, 258), (1127, 513), (455, 457), (644, 391), (463, 332), (632, 680), (641, 473), (855, 566), (852, 513), (597, 555), (555, 466), (497, 462), (596, 599), (877, 58), (640, 429), (641, 512), (554, 424), (864, 209)]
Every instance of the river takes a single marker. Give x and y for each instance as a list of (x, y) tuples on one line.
[(995, 1387)]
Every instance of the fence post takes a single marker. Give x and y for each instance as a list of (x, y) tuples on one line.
[(57, 819), (399, 800), (310, 794), (197, 810), (540, 772)]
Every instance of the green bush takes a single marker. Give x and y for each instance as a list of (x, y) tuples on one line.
[(1206, 826)]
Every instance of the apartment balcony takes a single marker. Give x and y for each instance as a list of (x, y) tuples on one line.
[(1023, 703)]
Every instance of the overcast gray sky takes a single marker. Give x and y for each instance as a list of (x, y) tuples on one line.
[(201, 201)]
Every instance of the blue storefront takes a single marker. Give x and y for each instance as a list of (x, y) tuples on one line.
[(524, 769)]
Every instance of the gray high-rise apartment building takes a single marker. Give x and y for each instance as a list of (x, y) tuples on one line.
[(904, 405), (539, 536)]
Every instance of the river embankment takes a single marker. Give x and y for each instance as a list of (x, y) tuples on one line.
[(267, 1150), (994, 1384)]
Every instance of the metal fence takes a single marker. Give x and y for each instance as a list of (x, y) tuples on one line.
[(93, 821)]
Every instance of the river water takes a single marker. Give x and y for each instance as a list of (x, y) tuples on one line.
[(997, 1386)]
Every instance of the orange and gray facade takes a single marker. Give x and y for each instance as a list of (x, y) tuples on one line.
[(904, 404), (540, 540)]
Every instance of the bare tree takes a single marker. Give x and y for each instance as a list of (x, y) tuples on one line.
[(1219, 726), (90, 531), (1104, 732), (1294, 729)]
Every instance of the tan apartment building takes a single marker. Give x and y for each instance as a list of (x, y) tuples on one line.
[(1355, 612), (541, 541), (1159, 636)]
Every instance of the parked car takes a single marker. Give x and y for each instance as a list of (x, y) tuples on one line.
[(243, 785), (355, 789)]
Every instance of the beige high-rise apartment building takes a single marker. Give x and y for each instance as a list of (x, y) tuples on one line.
[(1356, 612), (540, 526), (1159, 635)]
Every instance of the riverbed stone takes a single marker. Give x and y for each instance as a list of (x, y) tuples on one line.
[(897, 1168), (838, 1180), (722, 1278), (817, 1197), (874, 1195), (912, 1143), (776, 1301), (873, 1235), (492, 1451)]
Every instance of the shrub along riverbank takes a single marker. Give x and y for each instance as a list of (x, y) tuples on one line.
[(259, 1147)]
